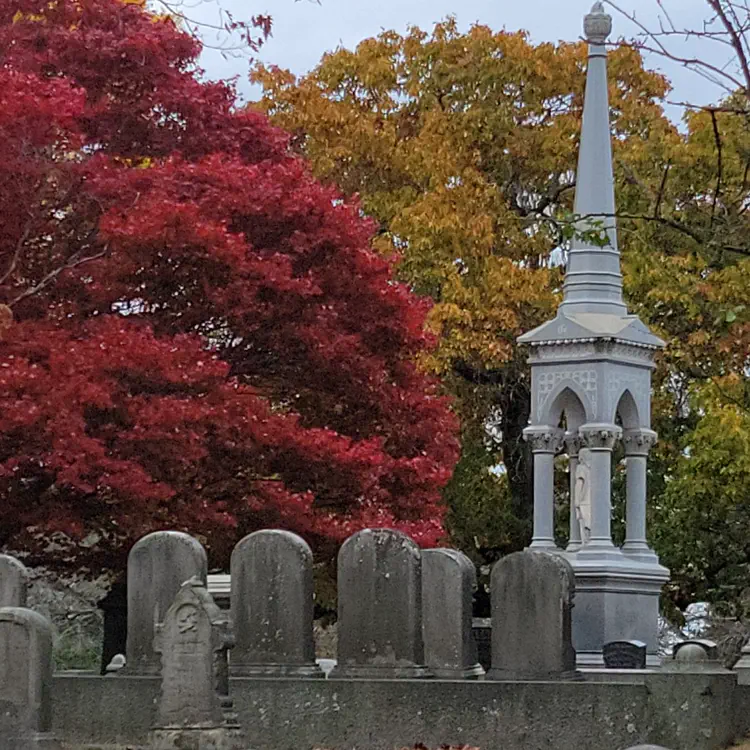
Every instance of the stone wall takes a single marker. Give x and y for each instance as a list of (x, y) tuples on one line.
[(297, 714)]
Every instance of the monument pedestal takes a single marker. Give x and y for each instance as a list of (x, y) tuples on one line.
[(617, 599)]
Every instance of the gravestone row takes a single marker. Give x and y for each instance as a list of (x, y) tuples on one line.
[(403, 612)]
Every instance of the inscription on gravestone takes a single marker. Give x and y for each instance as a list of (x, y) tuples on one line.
[(624, 655)]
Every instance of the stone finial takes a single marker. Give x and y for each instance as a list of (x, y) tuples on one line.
[(597, 25)]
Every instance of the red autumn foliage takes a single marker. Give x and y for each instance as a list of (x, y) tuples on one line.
[(201, 338)]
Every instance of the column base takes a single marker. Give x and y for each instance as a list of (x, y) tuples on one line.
[(543, 545), (641, 552)]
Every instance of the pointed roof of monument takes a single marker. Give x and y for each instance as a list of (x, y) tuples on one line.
[(593, 306)]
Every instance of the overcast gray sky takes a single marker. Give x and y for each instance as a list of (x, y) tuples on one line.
[(303, 29)]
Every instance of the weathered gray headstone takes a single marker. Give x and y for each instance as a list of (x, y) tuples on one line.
[(624, 655), (380, 606), (448, 582), (272, 606), (25, 680), (532, 599), (158, 565), (14, 582), (194, 711)]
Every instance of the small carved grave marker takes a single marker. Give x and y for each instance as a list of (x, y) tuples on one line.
[(195, 710), (624, 655)]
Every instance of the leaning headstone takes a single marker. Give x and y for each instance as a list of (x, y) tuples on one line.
[(14, 582), (25, 680), (158, 565), (448, 582), (272, 606), (380, 607), (624, 655), (194, 710), (532, 599)]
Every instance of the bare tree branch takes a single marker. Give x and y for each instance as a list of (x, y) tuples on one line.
[(73, 262)]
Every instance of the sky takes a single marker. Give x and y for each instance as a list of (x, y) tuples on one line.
[(303, 30)]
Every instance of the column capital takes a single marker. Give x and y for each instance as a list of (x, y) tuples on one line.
[(543, 439), (573, 443), (599, 436), (638, 442)]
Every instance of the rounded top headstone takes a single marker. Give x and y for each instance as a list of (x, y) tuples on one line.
[(690, 653), (597, 25)]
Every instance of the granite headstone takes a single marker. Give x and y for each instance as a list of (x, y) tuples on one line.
[(448, 582), (272, 606), (380, 607), (25, 680), (14, 582), (532, 598), (158, 565), (624, 655)]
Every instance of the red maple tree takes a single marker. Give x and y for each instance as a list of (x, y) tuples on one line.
[(201, 338)]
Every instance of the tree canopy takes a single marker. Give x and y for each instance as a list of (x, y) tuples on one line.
[(196, 333)]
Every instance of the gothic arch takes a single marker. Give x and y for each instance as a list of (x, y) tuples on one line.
[(627, 408), (568, 398)]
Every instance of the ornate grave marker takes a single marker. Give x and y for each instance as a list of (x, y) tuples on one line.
[(195, 710)]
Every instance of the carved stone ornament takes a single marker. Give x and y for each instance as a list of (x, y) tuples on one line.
[(573, 443), (638, 442), (597, 25), (543, 439), (599, 437)]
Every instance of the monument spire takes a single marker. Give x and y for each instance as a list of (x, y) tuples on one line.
[(593, 283)]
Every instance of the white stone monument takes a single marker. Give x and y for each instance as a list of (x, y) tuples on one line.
[(590, 365)]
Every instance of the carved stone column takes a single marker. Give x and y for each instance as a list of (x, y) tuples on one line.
[(545, 442), (572, 446), (637, 444), (600, 439)]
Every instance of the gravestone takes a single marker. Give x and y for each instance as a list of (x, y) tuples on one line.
[(25, 680), (14, 582), (272, 606), (696, 655), (194, 710), (379, 607), (448, 582), (158, 565), (481, 628), (532, 599), (624, 655)]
